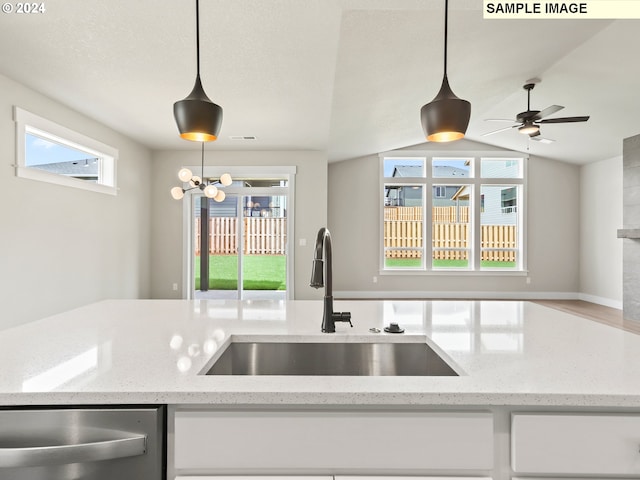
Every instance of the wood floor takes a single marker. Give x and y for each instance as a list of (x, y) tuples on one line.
[(593, 311)]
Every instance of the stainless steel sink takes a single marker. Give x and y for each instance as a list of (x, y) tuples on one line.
[(357, 359)]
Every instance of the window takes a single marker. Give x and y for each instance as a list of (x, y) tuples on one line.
[(439, 191), (509, 199), (472, 213), (52, 153)]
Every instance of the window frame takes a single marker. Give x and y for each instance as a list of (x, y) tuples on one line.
[(30, 123), (428, 181)]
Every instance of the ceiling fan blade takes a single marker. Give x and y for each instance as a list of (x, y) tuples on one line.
[(546, 112), (541, 139), (501, 130), (565, 120)]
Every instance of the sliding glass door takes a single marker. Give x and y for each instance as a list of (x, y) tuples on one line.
[(264, 252), (240, 245)]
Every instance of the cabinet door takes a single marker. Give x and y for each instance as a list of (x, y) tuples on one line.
[(242, 442), (386, 477), (563, 478), (252, 477), (337, 477), (575, 444)]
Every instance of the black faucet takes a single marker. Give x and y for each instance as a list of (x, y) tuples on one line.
[(329, 317)]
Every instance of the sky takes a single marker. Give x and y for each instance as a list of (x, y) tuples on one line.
[(40, 151), (391, 163)]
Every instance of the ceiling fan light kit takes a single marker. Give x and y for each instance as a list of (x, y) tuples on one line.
[(529, 121), (446, 117), (529, 129), (197, 117)]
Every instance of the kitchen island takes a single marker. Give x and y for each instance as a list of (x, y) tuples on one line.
[(152, 351), (517, 363)]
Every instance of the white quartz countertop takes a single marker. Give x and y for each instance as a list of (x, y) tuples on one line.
[(152, 352)]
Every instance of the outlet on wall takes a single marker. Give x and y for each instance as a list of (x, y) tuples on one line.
[(175, 287), (375, 279)]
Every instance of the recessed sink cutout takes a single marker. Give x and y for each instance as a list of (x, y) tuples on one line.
[(334, 358)]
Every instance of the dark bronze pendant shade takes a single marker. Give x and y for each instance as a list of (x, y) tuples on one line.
[(446, 117), (197, 117)]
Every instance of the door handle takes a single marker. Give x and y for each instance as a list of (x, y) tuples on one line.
[(130, 446)]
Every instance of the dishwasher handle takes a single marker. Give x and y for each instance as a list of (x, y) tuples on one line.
[(131, 446)]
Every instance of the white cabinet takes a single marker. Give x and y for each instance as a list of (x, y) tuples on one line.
[(337, 477), (243, 442), (359, 477), (562, 478), (254, 477), (580, 444)]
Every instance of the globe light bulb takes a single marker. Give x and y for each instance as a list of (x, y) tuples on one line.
[(195, 181), (210, 191), (220, 196), (226, 179), (185, 175), (177, 193)]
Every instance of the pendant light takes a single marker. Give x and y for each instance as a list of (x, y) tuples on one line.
[(198, 118), (210, 188), (446, 117)]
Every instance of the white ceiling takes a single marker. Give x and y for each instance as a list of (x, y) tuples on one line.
[(345, 76)]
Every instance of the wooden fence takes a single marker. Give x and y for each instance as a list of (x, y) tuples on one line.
[(262, 236), (450, 240), (268, 236), (451, 214)]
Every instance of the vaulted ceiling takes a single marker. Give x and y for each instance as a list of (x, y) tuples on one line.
[(343, 76)]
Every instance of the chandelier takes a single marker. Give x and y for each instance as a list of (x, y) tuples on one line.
[(210, 188)]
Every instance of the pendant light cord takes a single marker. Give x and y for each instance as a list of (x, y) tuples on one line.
[(198, 36), (202, 162), (446, 22)]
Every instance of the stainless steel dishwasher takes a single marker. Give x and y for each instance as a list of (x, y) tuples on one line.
[(82, 443)]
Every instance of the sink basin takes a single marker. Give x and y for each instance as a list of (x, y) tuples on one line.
[(357, 359)]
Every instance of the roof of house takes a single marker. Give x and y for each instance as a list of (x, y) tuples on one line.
[(75, 168), (439, 171)]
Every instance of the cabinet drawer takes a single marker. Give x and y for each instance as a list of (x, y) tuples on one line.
[(240, 442), (575, 444), (386, 477)]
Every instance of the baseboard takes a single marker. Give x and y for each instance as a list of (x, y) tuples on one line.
[(607, 302), (454, 295)]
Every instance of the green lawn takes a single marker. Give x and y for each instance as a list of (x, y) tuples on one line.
[(415, 262), (261, 272)]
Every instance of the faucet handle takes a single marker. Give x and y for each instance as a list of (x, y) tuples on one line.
[(342, 317)]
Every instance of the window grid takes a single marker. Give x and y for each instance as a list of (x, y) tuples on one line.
[(511, 204)]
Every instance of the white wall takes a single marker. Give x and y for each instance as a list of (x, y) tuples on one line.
[(167, 214), (600, 217), (553, 236), (64, 247)]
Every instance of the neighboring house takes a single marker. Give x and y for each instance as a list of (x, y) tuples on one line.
[(442, 195), (499, 204), (86, 169), (252, 206)]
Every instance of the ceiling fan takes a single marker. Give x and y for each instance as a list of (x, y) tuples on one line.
[(528, 122)]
